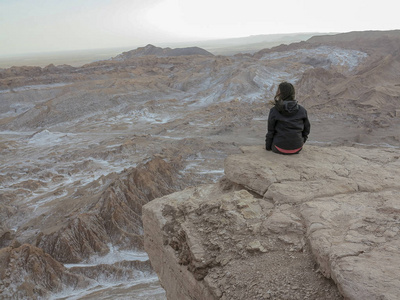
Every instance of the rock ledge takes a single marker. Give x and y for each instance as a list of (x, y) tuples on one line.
[(323, 224)]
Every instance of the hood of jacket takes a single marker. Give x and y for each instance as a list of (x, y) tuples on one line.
[(288, 107)]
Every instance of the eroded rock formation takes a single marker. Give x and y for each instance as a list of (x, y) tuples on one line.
[(280, 227), (102, 215), (91, 221), (26, 272)]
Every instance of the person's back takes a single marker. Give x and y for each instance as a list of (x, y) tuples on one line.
[(288, 124)]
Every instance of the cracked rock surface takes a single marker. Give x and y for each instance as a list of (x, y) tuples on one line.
[(323, 224)]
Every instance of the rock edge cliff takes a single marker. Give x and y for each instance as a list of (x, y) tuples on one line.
[(319, 225)]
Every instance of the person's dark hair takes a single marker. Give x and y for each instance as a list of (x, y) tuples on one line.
[(285, 92)]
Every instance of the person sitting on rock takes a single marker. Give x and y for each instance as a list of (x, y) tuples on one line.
[(288, 124)]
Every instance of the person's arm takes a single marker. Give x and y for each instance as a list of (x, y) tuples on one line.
[(307, 127), (271, 131)]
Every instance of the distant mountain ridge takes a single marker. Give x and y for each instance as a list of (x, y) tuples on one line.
[(162, 52), (355, 36)]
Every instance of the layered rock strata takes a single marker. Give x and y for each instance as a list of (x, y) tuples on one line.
[(319, 225)]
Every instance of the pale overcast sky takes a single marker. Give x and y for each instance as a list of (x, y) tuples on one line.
[(28, 26)]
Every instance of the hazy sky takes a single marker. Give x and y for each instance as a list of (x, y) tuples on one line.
[(57, 25)]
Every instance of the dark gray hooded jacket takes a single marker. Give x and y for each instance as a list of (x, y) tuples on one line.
[(288, 126)]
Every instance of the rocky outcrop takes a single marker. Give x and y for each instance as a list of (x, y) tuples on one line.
[(319, 225)]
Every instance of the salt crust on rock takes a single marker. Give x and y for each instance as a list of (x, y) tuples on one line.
[(257, 233)]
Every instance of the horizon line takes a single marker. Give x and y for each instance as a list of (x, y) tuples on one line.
[(161, 43)]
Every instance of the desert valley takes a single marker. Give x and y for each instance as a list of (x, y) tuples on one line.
[(84, 148)]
